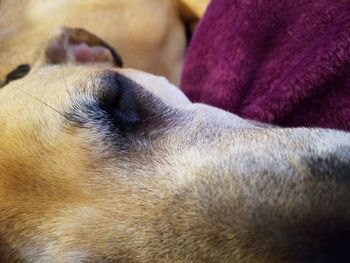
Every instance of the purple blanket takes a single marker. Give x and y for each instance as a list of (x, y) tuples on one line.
[(285, 62)]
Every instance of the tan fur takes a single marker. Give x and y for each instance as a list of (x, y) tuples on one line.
[(185, 183), (149, 34)]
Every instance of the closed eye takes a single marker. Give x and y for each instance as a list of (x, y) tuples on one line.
[(18, 73)]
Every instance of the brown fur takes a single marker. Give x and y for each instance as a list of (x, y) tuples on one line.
[(100, 164)]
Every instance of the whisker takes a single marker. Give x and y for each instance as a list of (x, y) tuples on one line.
[(43, 102), (65, 84), (31, 77)]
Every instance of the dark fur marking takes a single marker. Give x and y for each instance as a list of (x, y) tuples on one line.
[(334, 166)]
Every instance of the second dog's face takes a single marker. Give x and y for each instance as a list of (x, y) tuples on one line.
[(100, 164), (125, 25)]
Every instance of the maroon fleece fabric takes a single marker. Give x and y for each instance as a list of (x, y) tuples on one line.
[(285, 62)]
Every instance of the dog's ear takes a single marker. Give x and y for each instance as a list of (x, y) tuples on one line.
[(76, 46)]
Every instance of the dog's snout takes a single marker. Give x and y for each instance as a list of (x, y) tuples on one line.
[(117, 97)]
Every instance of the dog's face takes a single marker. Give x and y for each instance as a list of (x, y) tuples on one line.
[(102, 164), (150, 34)]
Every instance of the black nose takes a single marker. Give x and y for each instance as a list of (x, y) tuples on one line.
[(118, 98)]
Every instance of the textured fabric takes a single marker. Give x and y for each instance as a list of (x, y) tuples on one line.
[(285, 62)]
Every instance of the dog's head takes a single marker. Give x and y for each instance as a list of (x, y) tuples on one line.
[(103, 164)]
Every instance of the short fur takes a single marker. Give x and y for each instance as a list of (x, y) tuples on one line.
[(100, 164)]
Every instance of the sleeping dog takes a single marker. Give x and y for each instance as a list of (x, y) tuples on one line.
[(104, 164), (149, 34)]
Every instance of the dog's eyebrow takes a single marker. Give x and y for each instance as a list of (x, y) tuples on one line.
[(17, 73)]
